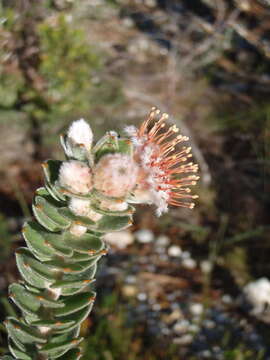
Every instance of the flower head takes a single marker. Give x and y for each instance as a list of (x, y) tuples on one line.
[(166, 173), (115, 175), (76, 176), (80, 133)]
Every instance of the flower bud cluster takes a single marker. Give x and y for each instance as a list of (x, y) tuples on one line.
[(155, 170), (113, 176)]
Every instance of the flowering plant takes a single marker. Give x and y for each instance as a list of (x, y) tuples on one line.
[(84, 197)]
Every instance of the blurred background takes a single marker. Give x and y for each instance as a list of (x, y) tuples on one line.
[(191, 284)]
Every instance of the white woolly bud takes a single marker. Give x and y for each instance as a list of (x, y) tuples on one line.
[(113, 206), (54, 293), (115, 175), (77, 230), (93, 215), (79, 206), (44, 329), (82, 207), (76, 176), (80, 133)]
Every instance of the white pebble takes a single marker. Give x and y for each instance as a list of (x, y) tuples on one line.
[(189, 263), (194, 328), (141, 296), (181, 326), (258, 294), (196, 309), (227, 299), (128, 22), (206, 353), (165, 331), (162, 240), (209, 324), (175, 251), (183, 340), (144, 236), (185, 255), (163, 257), (156, 307), (131, 279), (206, 266), (150, 3)]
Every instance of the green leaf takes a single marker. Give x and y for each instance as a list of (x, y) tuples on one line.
[(80, 220), (25, 333), (69, 291), (70, 268), (75, 303), (74, 354), (55, 350), (18, 353), (79, 316), (43, 243), (87, 243), (108, 144), (33, 271), (65, 284), (85, 257), (51, 170), (88, 274), (36, 243), (68, 193), (125, 146), (51, 211), (113, 223), (7, 357), (71, 335), (30, 288), (52, 324), (29, 318), (129, 211), (26, 301), (56, 242), (44, 220), (74, 151), (17, 342), (48, 302), (55, 192)]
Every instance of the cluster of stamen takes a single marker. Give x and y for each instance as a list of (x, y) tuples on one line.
[(168, 171)]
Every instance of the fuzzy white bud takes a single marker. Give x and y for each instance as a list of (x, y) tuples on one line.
[(77, 230), (113, 206), (115, 175), (82, 207), (76, 177), (80, 133)]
